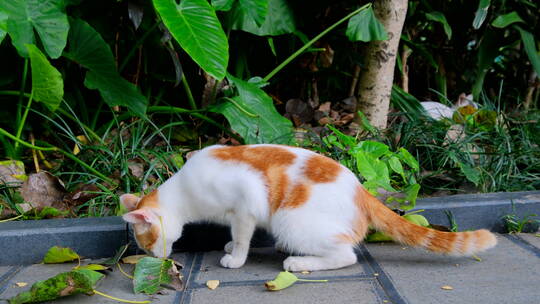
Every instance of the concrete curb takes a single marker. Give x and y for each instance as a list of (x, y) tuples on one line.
[(27, 242)]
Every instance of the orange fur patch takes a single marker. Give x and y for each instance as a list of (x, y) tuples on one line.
[(298, 195), (148, 237), (321, 169), (360, 222), (442, 242), (272, 162), (149, 201)]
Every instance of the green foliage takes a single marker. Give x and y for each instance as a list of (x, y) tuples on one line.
[(47, 83), (278, 19), (194, 24), (380, 170), (60, 255), (505, 20), (364, 26), (46, 17), (439, 17), (516, 224)]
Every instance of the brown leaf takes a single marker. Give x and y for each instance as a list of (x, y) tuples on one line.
[(21, 284), (136, 168), (299, 110), (133, 259), (325, 107), (177, 282), (81, 194), (447, 287), (327, 57), (43, 190)]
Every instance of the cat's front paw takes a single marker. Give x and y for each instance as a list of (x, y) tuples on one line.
[(228, 261)]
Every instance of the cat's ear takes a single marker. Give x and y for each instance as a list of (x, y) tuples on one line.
[(129, 201), (140, 216)]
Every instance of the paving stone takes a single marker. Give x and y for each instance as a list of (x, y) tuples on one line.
[(505, 274), (114, 284), (262, 264), (531, 238), (361, 291)]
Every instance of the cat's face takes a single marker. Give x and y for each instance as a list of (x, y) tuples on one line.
[(144, 215)]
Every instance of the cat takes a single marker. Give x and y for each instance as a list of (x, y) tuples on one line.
[(438, 111), (312, 205)]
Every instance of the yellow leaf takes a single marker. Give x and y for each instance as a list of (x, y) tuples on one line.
[(133, 259), (83, 140), (447, 287), (21, 284), (212, 284), (93, 267), (305, 272)]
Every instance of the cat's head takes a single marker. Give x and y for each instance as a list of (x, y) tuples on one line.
[(145, 217)]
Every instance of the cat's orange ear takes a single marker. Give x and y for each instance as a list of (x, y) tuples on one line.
[(129, 201), (140, 216)]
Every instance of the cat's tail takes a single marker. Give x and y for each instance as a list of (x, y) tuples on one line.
[(453, 243)]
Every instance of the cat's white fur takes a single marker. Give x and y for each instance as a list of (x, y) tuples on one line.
[(438, 111)]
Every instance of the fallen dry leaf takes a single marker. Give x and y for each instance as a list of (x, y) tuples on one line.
[(305, 272), (136, 168), (42, 190), (177, 282), (447, 287), (133, 259), (212, 284), (21, 284)]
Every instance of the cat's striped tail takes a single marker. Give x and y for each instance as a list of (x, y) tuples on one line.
[(452, 243)]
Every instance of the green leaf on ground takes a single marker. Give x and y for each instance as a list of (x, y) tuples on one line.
[(45, 17), (61, 285), (194, 24), (252, 115), (279, 19), (417, 219), (150, 273), (47, 82), (364, 26), (94, 267), (87, 48), (60, 255)]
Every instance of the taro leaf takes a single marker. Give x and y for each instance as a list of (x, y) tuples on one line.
[(116, 258), (222, 5), (3, 25), (252, 11), (349, 141), (61, 285), (505, 20), (407, 157), (439, 17), (364, 26), (530, 49), (87, 48), (150, 273), (279, 19), (481, 13), (47, 83), (46, 17), (373, 170), (57, 255), (252, 114), (376, 149), (194, 24), (396, 166)]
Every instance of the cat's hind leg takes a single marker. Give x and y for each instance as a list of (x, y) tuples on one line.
[(242, 228), (342, 256)]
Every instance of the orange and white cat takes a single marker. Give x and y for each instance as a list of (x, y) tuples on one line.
[(312, 205)]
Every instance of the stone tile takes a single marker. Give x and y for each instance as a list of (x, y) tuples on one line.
[(532, 238), (506, 274), (361, 291), (114, 284), (262, 264)]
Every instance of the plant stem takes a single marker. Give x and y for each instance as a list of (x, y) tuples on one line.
[(320, 281), (23, 119), (21, 91), (118, 299), (136, 46), (307, 45), (53, 148), (188, 93)]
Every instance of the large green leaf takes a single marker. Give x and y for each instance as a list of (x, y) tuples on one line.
[(530, 49), (87, 48), (150, 273), (487, 52), (3, 25), (47, 83), (194, 24), (441, 18), (46, 17), (279, 19), (252, 115), (503, 21), (481, 13), (255, 9), (364, 26)]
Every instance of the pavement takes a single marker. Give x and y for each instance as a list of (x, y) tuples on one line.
[(386, 273)]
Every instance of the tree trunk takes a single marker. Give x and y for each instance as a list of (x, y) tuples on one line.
[(377, 75)]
